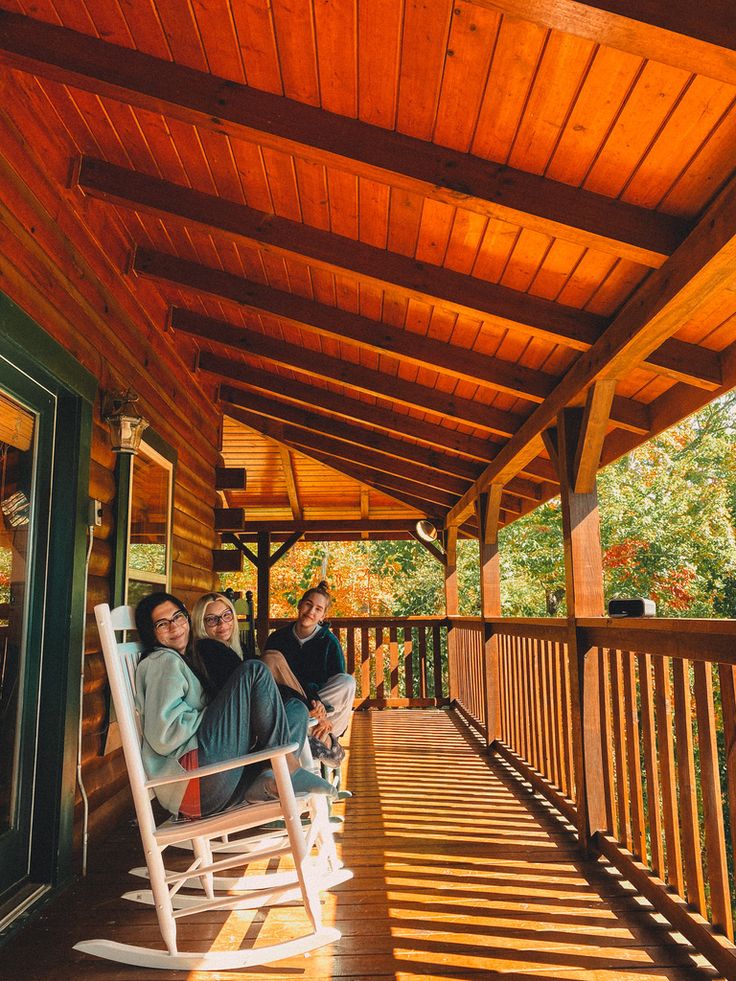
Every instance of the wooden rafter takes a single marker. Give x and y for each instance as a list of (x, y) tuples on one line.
[(499, 305), (389, 484), (290, 479), (376, 383), (411, 476), (699, 38), (342, 406), (703, 264), (351, 434), (553, 208), (626, 413)]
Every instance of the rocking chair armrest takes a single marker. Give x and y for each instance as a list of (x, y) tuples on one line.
[(206, 771)]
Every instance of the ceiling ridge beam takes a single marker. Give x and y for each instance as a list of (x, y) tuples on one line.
[(379, 154)]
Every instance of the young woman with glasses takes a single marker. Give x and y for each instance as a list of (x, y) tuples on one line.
[(184, 726)]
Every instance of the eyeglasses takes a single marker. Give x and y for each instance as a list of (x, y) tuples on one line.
[(215, 619), (176, 621)]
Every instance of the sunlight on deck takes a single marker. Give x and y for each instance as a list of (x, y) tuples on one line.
[(460, 872)]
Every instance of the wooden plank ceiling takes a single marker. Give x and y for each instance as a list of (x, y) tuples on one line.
[(397, 237)]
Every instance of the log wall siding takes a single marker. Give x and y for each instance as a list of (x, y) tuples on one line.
[(52, 266), (668, 728)]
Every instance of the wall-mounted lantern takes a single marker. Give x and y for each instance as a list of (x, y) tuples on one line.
[(125, 423)]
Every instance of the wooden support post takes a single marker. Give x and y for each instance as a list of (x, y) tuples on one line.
[(451, 600), (264, 588), (488, 508), (584, 592)]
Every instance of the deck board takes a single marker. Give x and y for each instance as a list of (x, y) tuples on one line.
[(459, 872)]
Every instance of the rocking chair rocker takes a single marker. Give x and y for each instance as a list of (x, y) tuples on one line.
[(254, 891)]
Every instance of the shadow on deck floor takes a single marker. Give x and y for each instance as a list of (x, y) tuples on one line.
[(460, 872)]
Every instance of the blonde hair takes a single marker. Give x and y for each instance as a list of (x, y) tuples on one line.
[(199, 611)]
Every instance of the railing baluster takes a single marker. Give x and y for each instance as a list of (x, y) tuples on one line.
[(566, 719), (715, 839), (437, 660), (607, 751), (409, 653), (727, 677), (393, 661), (666, 752), (423, 661), (650, 762), (688, 792), (633, 758), (619, 742)]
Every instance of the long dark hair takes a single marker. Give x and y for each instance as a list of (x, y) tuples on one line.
[(144, 619)]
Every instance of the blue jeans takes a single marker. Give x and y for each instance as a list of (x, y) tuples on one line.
[(246, 715)]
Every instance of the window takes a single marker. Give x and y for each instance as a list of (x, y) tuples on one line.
[(149, 524)]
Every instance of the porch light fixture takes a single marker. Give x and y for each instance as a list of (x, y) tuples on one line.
[(125, 423), (426, 530)]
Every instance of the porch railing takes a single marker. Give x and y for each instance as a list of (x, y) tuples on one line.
[(632, 724), (396, 662)]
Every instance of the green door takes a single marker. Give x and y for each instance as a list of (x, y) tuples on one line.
[(28, 416)]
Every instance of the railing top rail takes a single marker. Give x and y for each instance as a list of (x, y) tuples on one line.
[(693, 640), (380, 621)]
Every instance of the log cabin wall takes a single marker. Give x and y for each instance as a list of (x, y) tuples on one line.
[(67, 275)]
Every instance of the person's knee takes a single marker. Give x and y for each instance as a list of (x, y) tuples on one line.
[(346, 682), (274, 660)]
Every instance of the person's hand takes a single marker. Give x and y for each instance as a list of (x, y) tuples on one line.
[(317, 709), (321, 730)]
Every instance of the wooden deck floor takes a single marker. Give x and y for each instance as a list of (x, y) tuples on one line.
[(459, 873)]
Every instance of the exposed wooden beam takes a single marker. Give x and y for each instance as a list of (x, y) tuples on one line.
[(431, 547), (340, 405), (287, 126), (672, 295), (325, 525), (463, 294), (365, 506), (698, 38), (626, 413), (290, 479), (420, 480), (372, 382), (488, 513), (235, 540), (549, 438), (592, 434), (284, 547), (500, 305), (389, 484), (353, 435)]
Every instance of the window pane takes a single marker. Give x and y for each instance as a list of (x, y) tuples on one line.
[(149, 519), (16, 483)]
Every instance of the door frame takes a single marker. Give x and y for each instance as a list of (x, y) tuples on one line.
[(30, 350)]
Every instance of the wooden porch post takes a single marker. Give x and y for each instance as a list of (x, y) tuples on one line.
[(487, 509), (451, 601), (584, 593), (264, 588)]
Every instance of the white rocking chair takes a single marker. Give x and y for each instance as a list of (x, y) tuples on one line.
[(121, 660)]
